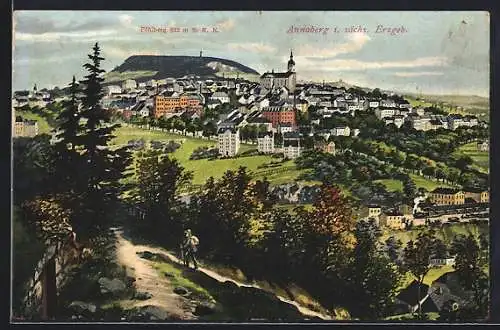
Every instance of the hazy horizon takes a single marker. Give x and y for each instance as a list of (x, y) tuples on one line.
[(433, 53)]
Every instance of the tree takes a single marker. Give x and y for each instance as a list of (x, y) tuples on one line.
[(409, 189), (69, 119), (69, 158), (394, 248), (468, 265), (417, 255), (159, 179), (375, 278), (103, 167)]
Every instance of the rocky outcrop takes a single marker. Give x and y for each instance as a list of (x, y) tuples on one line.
[(112, 286)]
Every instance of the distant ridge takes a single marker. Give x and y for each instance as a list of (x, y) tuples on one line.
[(160, 67)]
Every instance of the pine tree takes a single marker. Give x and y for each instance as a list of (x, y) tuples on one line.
[(103, 167), (69, 119), (66, 148)]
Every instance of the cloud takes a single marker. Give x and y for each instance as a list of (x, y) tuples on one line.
[(126, 20), (303, 63), (418, 74), (226, 25), (253, 47), (57, 36), (123, 53), (354, 43), (36, 25)]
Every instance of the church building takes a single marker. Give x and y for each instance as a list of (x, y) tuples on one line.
[(287, 79)]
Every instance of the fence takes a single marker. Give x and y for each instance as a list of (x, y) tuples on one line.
[(49, 276)]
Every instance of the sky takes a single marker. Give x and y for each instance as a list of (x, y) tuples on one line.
[(429, 52)]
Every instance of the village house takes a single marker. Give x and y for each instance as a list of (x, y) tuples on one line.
[(326, 147), (392, 219), (373, 103), (447, 196), (341, 131), (383, 112), (228, 141), (419, 111), (483, 146), (284, 128), (129, 84), (24, 127), (477, 195), (220, 96), (112, 89)]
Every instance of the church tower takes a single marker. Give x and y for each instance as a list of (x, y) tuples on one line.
[(291, 63)]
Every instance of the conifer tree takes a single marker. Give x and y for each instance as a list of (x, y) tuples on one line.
[(102, 167)]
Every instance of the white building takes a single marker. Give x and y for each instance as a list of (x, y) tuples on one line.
[(388, 103), (341, 131), (228, 141), (220, 96), (129, 84), (292, 149), (151, 83), (373, 104), (385, 112), (265, 143), (421, 123), (112, 89), (285, 128)]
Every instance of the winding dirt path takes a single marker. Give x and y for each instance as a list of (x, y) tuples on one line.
[(149, 280)]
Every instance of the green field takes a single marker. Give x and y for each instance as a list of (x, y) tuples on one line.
[(446, 233), (391, 185), (204, 168), (481, 158), (430, 185)]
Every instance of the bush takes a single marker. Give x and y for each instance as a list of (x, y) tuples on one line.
[(204, 153)]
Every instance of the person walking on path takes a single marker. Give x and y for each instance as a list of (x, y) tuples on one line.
[(189, 248)]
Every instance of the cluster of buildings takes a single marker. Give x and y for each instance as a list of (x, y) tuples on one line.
[(32, 98), (438, 198), (420, 120)]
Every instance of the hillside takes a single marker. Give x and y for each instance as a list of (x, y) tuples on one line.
[(145, 67)]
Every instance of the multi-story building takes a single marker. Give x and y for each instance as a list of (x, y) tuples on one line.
[(383, 112), (228, 141), (292, 149), (166, 104), (478, 195), (393, 220), (447, 196), (23, 127), (420, 123), (291, 145), (265, 142), (279, 115)]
